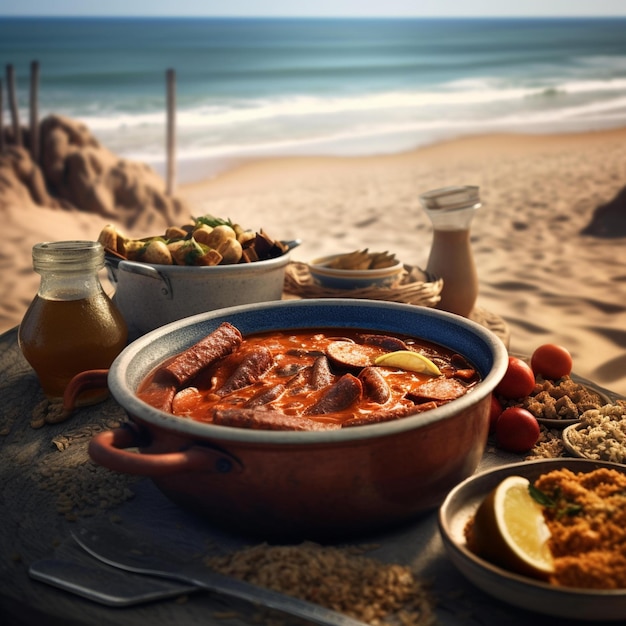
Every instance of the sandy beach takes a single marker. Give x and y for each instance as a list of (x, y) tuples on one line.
[(537, 270)]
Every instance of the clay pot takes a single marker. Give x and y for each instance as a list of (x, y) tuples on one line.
[(306, 484)]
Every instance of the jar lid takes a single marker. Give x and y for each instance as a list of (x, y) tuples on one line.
[(450, 198), (68, 255)]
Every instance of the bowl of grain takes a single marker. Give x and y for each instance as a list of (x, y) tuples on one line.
[(599, 434)]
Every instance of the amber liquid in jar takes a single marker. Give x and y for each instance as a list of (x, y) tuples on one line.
[(71, 325), (61, 338)]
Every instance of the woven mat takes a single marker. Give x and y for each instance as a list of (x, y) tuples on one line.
[(411, 287), (493, 322)]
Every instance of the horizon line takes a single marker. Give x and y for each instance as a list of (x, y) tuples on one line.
[(321, 17)]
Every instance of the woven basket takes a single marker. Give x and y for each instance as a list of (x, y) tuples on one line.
[(411, 287)]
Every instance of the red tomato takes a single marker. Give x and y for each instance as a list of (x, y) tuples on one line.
[(517, 430), (551, 361), (518, 380), (494, 413)]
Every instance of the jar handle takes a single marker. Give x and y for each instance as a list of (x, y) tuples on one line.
[(107, 448)]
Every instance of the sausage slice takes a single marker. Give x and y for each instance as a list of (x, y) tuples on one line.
[(221, 342)]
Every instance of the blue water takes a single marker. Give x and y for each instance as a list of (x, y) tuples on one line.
[(248, 87)]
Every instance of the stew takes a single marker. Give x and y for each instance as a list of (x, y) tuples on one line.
[(316, 379)]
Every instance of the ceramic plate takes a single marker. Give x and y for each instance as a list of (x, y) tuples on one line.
[(569, 446), (563, 423), (549, 423), (527, 593)]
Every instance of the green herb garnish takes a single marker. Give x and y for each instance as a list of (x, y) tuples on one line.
[(556, 502), (212, 221)]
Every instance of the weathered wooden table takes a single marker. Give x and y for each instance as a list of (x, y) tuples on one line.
[(48, 486)]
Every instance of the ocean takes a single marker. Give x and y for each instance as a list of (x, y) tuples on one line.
[(254, 87)]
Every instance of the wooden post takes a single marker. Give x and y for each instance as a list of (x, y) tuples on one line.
[(17, 129), (34, 114), (171, 131), (1, 121)]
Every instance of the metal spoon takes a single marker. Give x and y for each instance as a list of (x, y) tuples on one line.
[(105, 585), (117, 547)]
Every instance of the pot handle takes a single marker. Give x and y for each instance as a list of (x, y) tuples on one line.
[(143, 269), (83, 381), (107, 449)]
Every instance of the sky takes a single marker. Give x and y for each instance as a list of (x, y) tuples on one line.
[(331, 8)]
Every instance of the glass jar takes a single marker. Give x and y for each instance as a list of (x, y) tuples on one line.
[(71, 325), (451, 211)]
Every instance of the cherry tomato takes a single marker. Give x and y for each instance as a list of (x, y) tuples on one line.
[(551, 361), (518, 380), (494, 413), (517, 430)]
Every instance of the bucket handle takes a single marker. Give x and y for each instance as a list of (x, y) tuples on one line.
[(115, 266), (108, 448), (143, 269)]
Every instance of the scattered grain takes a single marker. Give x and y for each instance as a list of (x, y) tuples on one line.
[(48, 412), (342, 579), (548, 446), (82, 488)]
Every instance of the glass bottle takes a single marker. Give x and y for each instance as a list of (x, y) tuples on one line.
[(451, 210), (71, 325)]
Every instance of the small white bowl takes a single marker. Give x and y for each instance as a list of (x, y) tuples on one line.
[(353, 279)]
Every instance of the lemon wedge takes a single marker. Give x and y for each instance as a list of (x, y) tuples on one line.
[(408, 360), (510, 530)]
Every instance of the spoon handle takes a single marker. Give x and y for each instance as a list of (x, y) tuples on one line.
[(111, 549)]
